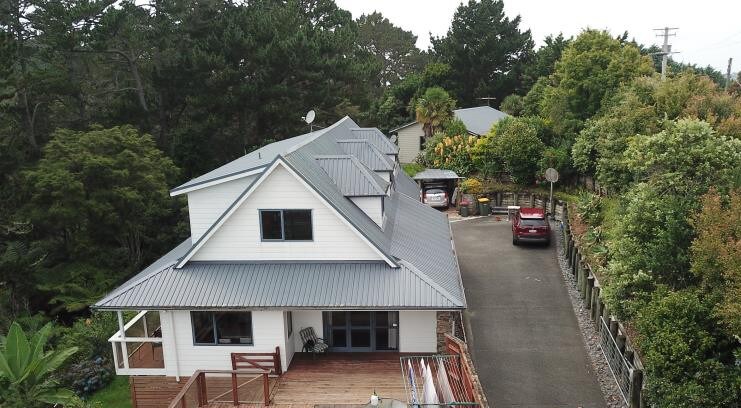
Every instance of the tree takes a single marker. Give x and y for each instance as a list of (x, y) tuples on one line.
[(591, 69), (544, 61), (392, 47), (433, 109), (486, 51), (716, 257), (27, 369), (687, 363), (512, 105), (512, 146)]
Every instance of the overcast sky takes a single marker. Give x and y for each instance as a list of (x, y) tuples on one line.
[(709, 31)]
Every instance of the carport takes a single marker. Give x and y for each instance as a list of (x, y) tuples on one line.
[(438, 178)]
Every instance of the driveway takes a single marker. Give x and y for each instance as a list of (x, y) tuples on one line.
[(523, 334)]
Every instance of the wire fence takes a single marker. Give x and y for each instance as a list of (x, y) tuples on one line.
[(619, 365)]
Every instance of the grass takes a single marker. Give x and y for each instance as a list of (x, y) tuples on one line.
[(412, 168), (115, 395)]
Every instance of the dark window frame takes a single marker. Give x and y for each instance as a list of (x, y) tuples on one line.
[(283, 224), (213, 313)]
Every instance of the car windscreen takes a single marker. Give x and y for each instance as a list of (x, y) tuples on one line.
[(434, 191), (532, 222)]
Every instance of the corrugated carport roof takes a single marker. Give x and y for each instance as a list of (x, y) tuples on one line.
[(436, 174)]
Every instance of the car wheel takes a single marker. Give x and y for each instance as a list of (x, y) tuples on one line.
[(515, 241)]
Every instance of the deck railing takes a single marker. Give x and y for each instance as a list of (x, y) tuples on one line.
[(137, 346), (206, 387)]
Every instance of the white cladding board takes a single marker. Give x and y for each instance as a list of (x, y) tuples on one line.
[(239, 239), (303, 319), (408, 140), (371, 206), (268, 331), (207, 204), (290, 345), (417, 331)]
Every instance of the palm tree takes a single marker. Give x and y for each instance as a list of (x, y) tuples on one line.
[(433, 109), (27, 370)]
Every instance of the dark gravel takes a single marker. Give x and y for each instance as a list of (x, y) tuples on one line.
[(602, 372)]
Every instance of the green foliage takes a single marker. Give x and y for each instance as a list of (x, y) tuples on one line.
[(591, 68), (27, 369), (486, 50), (544, 62), (472, 186), (101, 186), (653, 237), (411, 169), (716, 256), (640, 108), (392, 47), (454, 127), (687, 363), (513, 146), (433, 109), (513, 105), (88, 376), (452, 153), (115, 395), (685, 158)]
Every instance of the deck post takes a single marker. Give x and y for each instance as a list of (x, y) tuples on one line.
[(202, 390), (276, 361), (235, 392), (124, 348), (266, 388)]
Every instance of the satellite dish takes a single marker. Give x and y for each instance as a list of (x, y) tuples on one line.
[(393, 138), (551, 175), (310, 115)]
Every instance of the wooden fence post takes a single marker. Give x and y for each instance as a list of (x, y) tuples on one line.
[(588, 292), (597, 311), (266, 388), (634, 390)]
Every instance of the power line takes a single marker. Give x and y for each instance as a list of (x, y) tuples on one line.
[(666, 48)]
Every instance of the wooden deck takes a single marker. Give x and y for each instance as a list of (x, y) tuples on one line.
[(339, 378), (333, 379)]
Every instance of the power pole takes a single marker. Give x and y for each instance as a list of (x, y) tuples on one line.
[(666, 48), (728, 73)]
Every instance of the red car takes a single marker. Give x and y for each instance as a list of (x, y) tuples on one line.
[(530, 225)]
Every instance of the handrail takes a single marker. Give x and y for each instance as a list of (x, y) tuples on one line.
[(199, 378)]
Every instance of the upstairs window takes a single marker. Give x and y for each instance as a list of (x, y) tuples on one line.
[(286, 225)]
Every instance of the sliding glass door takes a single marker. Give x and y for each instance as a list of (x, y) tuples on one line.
[(361, 330)]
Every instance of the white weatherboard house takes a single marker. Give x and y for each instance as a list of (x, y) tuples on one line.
[(478, 122), (322, 230)]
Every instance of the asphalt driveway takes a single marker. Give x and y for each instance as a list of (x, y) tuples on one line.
[(523, 334)]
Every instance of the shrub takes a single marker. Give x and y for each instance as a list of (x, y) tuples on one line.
[(88, 376), (452, 153), (687, 363), (472, 186)]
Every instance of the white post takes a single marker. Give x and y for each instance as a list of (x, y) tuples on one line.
[(550, 202), (144, 322), (124, 348)]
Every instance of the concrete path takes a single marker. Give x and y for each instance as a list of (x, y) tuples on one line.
[(523, 334)]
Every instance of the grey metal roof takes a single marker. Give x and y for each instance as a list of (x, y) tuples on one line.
[(282, 285), (436, 174), (367, 154), (376, 138), (249, 162), (352, 177), (422, 271), (404, 184), (480, 119)]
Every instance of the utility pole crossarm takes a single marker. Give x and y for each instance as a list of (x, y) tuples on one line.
[(666, 48)]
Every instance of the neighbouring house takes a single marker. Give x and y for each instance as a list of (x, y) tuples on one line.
[(411, 137), (322, 231)]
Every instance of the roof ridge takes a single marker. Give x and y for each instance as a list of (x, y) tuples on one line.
[(369, 174), (319, 133)]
